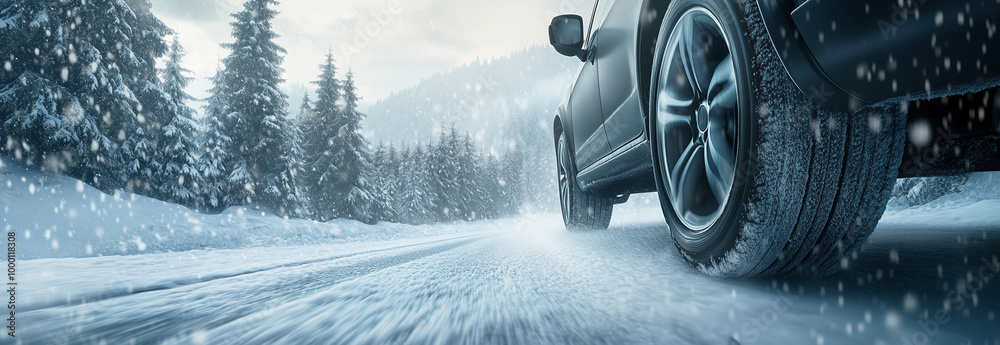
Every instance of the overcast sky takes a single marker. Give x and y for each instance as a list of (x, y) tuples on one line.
[(389, 44)]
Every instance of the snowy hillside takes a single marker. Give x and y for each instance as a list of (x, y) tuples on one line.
[(506, 104), (494, 100), (57, 216)]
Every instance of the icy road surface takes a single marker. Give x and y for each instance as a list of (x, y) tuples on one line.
[(529, 282)]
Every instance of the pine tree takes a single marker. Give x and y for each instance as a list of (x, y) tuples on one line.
[(353, 185), (155, 110), (471, 188), (437, 157), (511, 188), (490, 182), (319, 131), (301, 125), (69, 83), (175, 79), (444, 181), (383, 184), (414, 188), (330, 89), (257, 121), (305, 110), (176, 162), (305, 122), (294, 201), (148, 43), (392, 171), (216, 189)]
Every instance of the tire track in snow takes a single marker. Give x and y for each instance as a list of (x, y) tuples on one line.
[(116, 292), (177, 312)]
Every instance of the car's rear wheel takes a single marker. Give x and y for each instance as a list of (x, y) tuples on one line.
[(581, 210), (754, 179)]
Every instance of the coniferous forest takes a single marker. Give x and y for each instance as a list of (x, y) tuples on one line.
[(81, 94)]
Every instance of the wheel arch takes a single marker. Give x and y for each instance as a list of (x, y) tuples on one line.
[(650, 18), (557, 129)]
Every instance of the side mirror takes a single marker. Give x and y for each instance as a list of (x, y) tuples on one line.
[(566, 35)]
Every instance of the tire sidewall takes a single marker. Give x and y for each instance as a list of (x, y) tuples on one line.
[(712, 244)]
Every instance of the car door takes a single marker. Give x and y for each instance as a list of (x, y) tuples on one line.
[(590, 140), (620, 100)]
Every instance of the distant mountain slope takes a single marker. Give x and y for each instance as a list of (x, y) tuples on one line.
[(506, 104), (494, 100)]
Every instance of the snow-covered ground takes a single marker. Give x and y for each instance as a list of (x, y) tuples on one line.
[(247, 278)]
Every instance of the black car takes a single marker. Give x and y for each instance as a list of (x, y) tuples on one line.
[(773, 130)]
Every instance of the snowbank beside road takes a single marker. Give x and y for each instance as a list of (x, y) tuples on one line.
[(946, 190), (57, 216)]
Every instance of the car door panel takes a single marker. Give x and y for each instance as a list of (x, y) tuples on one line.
[(589, 138), (590, 141), (625, 123), (616, 60)]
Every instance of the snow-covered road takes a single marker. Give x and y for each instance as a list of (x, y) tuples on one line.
[(525, 281)]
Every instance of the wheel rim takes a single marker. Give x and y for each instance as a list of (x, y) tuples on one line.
[(564, 185), (697, 109)]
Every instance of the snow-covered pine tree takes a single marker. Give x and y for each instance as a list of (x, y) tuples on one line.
[(470, 170), (393, 159), (67, 98), (155, 110), (414, 199), (512, 188), (294, 202), (444, 182), (301, 125), (175, 79), (257, 122), (353, 183), (392, 169), (319, 132), (401, 162), (490, 182), (36, 125), (329, 90), (149, 43), (434, 161), (437, 166), (175, 170), (305, 110), (304, 122), (464, 169), (383, 183), (216, 189)]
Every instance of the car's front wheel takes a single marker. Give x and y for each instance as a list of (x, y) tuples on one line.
[(581, 210), (754, 179)]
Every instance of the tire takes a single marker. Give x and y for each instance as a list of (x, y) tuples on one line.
[(754, 179), (581, 210)]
